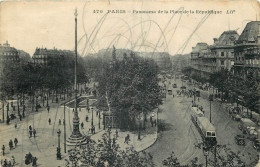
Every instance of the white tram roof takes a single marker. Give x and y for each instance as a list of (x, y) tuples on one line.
[(197, 111), (204, 122)]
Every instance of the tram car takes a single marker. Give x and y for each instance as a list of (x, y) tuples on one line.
[(205, 128), (207, 131), (196, 112)]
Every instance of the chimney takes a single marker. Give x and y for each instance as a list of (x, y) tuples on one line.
[(215, 40)]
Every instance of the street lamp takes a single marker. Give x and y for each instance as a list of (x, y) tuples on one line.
[(58, 148), (210, 99), (206, 153), (91, 116), (99, 120)]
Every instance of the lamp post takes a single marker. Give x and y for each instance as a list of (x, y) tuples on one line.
[(99, 120), (206, 153), (76, 136), (3, 110), (64, 129), (91, 116), (210, 99), (58, 148)]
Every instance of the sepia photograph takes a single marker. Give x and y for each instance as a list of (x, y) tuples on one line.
[(114, 83)]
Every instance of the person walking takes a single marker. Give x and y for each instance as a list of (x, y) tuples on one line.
[(34, 162), (48, 109), (15, 125), (87, 118), (34, 133), (59, 121), (12, 161), (15, 142), (30, 127), (3, 150), (82, 125), (30, 132), (11, 144), (116, 133), (49, 121)]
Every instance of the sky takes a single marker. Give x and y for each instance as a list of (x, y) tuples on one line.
[(48, 24)]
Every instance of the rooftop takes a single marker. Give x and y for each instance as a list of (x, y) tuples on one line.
[(226, 38), (250, 33)]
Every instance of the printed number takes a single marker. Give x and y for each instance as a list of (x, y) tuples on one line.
[(97, 11)]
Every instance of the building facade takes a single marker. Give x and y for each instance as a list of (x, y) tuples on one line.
[(8, 53), (206, 59), (247, 51), (223, 50), (46, 57)]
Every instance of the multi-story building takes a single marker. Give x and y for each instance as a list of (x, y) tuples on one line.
[(223, 50), (43, 56), (8, 53), (200, 60), (206, 60), (247, 50)]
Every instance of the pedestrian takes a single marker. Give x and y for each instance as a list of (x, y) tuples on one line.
[(30, 127), (116, 133), (15, 142), (8, 120), (34, 162), (48, 108), (11, 144), (59, 122), (9, 164), (30, 132), (34, 132), (3, 150), (12, 161), (87, 118), (114, 142), (15, 125), (49, 121), (82, 125), (5, 163)]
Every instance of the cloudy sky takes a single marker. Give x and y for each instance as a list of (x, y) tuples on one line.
[(49, 24)]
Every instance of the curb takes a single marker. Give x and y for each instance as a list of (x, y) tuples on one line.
[(151, 144)]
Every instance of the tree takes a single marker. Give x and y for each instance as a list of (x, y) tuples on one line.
[(104, 152), (130, 88)]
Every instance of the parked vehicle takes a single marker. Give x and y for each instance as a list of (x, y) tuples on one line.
[(236, 117), (169, 92), (240, 139), (248, 127), (174, 85)]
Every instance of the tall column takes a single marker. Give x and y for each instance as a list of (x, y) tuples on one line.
[(76, 137)]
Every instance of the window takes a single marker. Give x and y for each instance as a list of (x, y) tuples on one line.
[(222, 54), (208, 134), (222, 62), (213, 133)]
